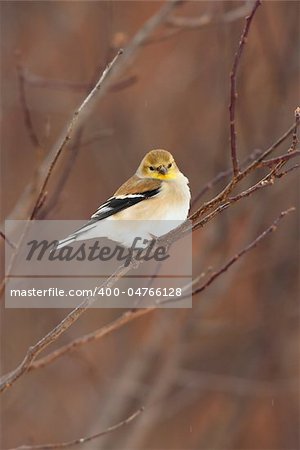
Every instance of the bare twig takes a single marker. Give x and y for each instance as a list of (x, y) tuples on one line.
[(26, 112), (64, 174), (190, 22), (264, 182), (207, 206), (291, 169), (220, 202), (266, 153), (7, 380), (295, 132), (235, 258), (69, 133), (62, 144), (125, 318), (182, 24), (24, 203), (10, 378), (82, 440), (245, 250), (223, 175), (132, 315), (37, 81), (208, 18), (280, 159), (233, 92), (5, 239), (292, 150), (223, 201), (33, 351), (226, 173)]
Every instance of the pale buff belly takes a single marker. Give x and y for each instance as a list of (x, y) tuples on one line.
[(153, 217)]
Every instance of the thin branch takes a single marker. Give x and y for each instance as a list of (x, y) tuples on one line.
[(82, 440), (129, 316), (64, 174), (73, 316), (223, 195), (266, 153), (79, 112), (233, 92), (295, 132), (223, 175), (115, 324), (131, 51), (208, 18), (236, 257), (280, 159), (36, 81), (190, 22), (180, 24), (26, 112), (132, 315), (291, 169), (10, 378), (70, 130), (5, 238), (245, 250), (266, 181)]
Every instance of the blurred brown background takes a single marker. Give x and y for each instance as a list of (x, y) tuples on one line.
[(223, 375)]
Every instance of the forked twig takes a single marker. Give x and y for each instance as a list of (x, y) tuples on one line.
[(279, 159), (82, 440), (245, 250), (130, 316), (222, 176), (233, 92), (132, 49), (124, 318), (220, 202), (62, 144), (26, 112), (285, 172), (69, 133), (5, 239), (10, 378), (208, 18), (223, 195), (295, 132)]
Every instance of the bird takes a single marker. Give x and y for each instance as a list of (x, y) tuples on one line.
[(155, 200)]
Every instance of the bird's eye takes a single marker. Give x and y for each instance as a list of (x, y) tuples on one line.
[(152, 168), (169, 165)]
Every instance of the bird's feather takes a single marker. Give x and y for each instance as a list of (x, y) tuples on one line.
[(137, 185), (121, 202), (124, 198)]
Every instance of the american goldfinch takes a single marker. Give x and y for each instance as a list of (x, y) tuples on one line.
[(158, 192)]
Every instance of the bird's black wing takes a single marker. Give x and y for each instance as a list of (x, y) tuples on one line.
[(114, 205), (119, 203)]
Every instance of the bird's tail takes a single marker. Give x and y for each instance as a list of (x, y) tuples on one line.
[(81, 234), (68, 240)]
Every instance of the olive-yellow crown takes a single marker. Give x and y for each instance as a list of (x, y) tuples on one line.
[(158, 164)]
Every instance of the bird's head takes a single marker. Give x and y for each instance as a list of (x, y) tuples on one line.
[(158, 164)]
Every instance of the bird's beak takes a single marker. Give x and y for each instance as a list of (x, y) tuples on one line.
[(162, 169)]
